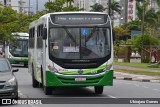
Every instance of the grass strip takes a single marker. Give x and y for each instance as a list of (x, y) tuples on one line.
[(137, 65), (148, 73)]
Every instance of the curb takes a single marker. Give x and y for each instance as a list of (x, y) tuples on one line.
[(136, 79)]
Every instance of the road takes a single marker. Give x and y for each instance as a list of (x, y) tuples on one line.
[(120, 89)]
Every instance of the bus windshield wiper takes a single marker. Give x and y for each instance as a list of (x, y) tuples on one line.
[(91, 34), (69, 34)]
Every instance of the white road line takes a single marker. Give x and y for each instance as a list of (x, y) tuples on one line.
[(111, 96), (128, 83), (156, 89), (145, 87), (136, 85)]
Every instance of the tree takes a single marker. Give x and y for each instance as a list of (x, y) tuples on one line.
[(69, 2), (115, 7), (97, 8), (8, 23), (58, 6), (133, 25), (147, 40)]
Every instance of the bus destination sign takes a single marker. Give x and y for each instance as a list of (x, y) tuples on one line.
[(79, 19)]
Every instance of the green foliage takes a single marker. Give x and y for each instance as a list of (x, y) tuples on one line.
[(71, 8), (58, 6), (133, 25), (115, 7), (97, 8), (8, 23), (145, 39), (120, 31), (129, 42)]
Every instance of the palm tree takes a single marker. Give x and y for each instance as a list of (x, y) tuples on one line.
[(69, 2), (115, 7), (97, 8)]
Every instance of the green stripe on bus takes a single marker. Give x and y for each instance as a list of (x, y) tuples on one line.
[(103, 80)]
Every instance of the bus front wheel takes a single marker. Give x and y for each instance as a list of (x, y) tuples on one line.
[(98, 89)]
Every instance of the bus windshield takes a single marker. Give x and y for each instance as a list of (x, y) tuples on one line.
[(19, 48), (79, 43)]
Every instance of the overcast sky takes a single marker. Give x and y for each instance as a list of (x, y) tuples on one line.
[(33, 4)]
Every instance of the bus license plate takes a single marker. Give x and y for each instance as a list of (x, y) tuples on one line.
[(21, 62), (80, 79)]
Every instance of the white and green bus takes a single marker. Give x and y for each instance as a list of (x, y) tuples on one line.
[(71, 49), (17, 51)]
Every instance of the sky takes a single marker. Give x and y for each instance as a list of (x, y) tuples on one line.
[(33, 4)]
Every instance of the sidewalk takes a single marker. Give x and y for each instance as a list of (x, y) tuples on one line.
[(128, 76)]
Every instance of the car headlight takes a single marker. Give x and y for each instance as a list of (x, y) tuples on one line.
[(11, 82)]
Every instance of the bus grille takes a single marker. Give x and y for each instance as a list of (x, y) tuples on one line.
[(87, 81)]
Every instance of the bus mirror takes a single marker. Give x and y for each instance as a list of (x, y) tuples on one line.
[(44, 34), (114, 35)]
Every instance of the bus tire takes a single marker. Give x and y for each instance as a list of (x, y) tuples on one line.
[(47, 90), (25, 65), (98, 89), (35, 83), (41, 84)]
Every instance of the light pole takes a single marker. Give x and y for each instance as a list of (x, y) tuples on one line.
[(36, 6), (142, 27), (29, 5), (109, 7)]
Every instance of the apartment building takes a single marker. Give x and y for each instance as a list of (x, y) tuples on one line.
[(18, 5)]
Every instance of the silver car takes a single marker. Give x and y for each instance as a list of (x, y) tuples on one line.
[(8, 82)]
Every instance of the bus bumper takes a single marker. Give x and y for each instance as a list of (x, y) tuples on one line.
[(18, 61), (53, 80)]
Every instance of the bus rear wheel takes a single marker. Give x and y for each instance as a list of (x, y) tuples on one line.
[(98, 89), (47, 90), (35, 83)]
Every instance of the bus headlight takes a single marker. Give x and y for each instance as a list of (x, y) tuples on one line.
[(108, 68), (11, 82), (52, 68)]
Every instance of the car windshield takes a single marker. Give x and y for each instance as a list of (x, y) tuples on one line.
[(4, 67), (79, 43), (19, 48)]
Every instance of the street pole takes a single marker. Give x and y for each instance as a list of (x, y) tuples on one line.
[(36, 6), (109, 7), (142, 29), (29, 5)]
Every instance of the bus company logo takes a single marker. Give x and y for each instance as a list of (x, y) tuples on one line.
[(80, 71), (6, 101)]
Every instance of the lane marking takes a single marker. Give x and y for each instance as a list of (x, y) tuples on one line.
[(136, 85), (156, 89), (128, 83), (111, 96), (145, 87)]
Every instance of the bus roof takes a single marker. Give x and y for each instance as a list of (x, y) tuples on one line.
[(75, 12), (20, 34)]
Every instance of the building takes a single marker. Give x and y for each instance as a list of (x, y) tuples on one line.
[(87, 3), (18, 5), (154, 5)]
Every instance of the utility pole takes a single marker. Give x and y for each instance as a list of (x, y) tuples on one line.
[(29, 5), (142, 28), (109, 7), (36, 6)]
